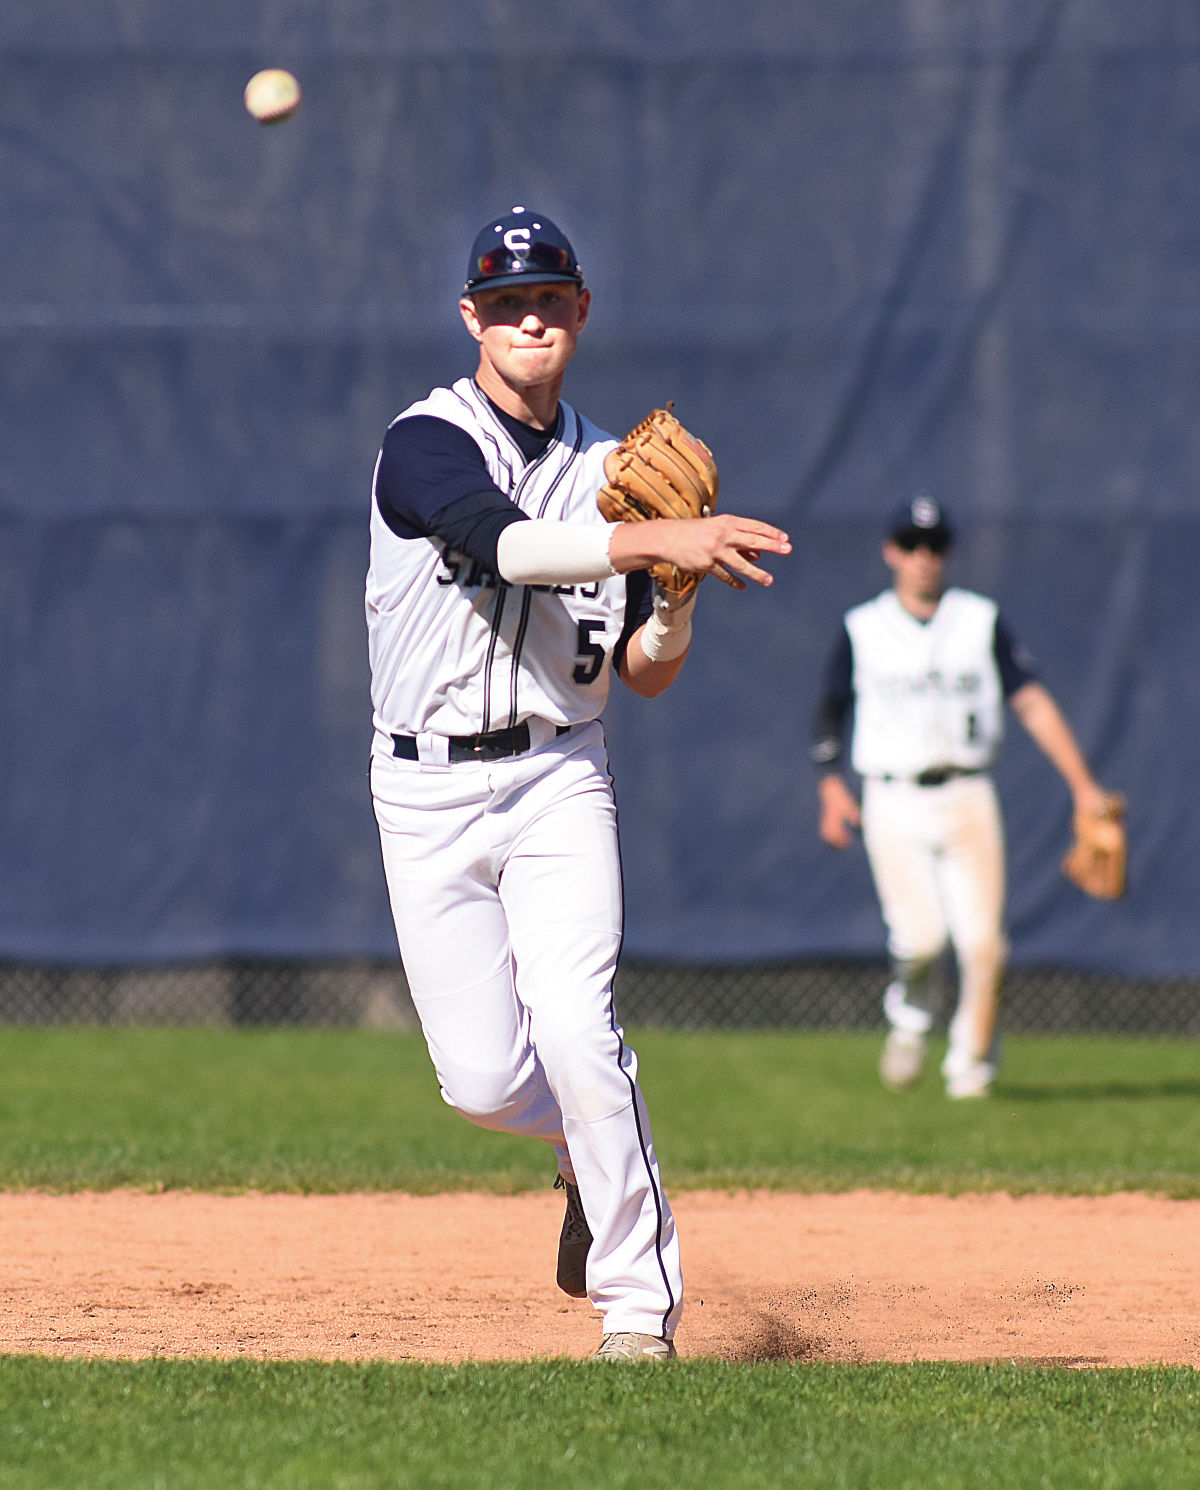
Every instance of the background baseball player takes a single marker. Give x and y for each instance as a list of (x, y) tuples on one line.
[(497, 608), (927, 671)]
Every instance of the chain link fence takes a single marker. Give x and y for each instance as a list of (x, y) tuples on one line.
[(835, 995)]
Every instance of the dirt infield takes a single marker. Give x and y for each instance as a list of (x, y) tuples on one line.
[(859, 1277)]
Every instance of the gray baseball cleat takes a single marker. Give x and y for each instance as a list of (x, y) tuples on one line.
[(902, 1063), (574, 1243), (624, 1346), (975, 1081)]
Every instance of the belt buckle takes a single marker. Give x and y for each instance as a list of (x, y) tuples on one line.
[(488, 747)]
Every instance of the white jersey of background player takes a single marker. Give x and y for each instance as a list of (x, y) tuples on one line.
[(927, 671), (499, 603)]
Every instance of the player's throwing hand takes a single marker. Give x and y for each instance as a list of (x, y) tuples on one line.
[(726, 546)]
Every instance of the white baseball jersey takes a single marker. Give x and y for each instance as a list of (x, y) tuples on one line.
[(926, 693), (454, 649)]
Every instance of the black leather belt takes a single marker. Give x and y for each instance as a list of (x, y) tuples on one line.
[(938, 775), (495, 745)]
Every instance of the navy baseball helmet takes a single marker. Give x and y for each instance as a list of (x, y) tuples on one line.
[(921, 523), (522, 247)]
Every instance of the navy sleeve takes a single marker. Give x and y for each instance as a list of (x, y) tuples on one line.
[(1015, 663), (432, 483), (833, 707), (639, 603)]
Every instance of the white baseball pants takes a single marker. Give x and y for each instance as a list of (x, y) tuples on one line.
[(937, 857), (505, 888)]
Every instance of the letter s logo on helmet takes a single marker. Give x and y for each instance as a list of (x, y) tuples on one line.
[(522, 247)]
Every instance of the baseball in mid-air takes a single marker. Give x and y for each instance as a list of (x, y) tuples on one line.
[(272, 95)]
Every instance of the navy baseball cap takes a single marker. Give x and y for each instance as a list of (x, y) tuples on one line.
[(921, 521), (522, 247)]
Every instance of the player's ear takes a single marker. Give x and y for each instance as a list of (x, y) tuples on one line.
[(585, 305), (466, 308)]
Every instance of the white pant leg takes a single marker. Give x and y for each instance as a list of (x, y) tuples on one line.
[(901, 839), (439, 860), (562, 893), (973, 891), (528, 878)]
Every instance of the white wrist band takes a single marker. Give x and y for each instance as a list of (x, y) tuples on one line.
[(539, 552), (667, 635)]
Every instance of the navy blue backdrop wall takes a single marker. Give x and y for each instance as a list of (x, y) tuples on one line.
[(866, 247)]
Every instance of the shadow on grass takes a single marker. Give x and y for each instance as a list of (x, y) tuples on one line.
[(1123, 1091)]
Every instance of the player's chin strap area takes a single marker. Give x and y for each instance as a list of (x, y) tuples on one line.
[(495, 745)]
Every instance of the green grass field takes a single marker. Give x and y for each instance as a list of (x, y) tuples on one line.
[(326, 1111), (309, 1110), (160, 1425)]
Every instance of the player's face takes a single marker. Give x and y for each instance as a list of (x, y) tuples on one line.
[(918, 572), (527, 333)]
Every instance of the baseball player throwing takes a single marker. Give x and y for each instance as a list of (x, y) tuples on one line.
[(928, 670), (499, 602)]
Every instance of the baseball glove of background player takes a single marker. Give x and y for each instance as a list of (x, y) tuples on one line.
[(662, 471), (1096, 860)]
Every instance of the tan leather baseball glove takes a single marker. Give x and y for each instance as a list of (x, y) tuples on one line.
[(1096, 859), (661, 471)]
